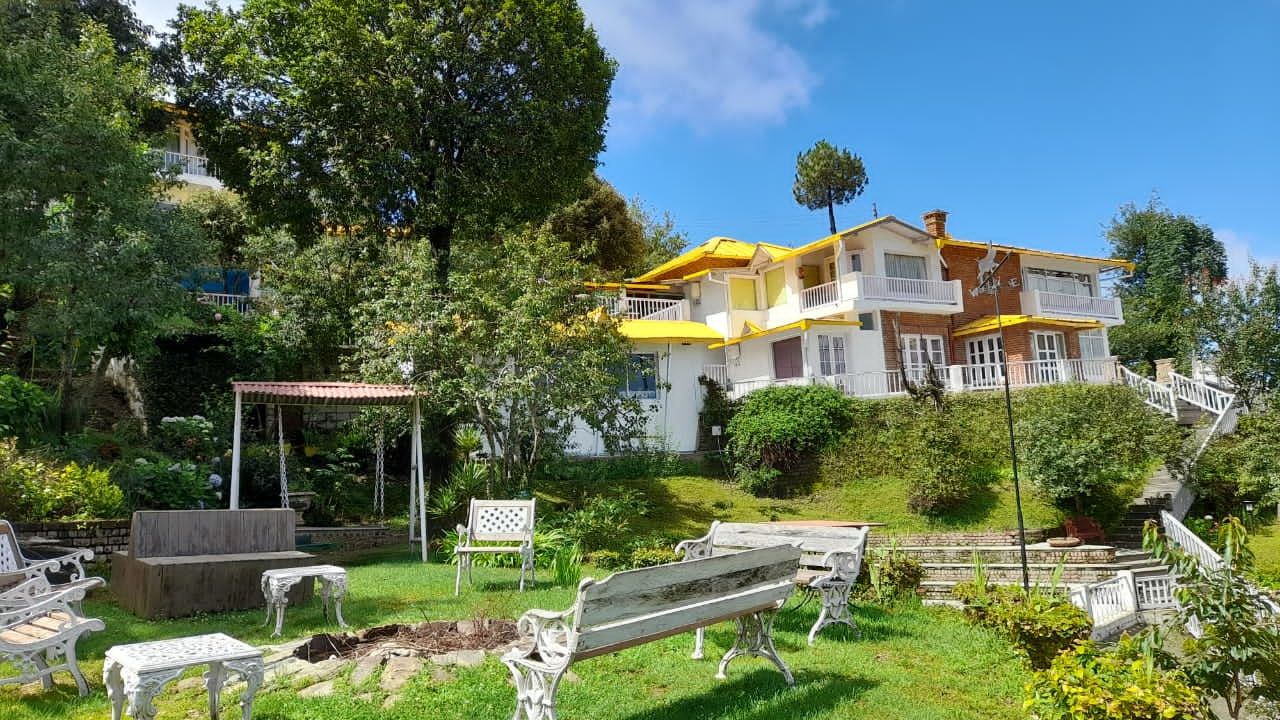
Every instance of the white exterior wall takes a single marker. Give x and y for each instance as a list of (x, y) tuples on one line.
[(671, 419)]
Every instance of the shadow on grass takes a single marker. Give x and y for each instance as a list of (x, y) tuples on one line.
[(874, 623), (764, 695)]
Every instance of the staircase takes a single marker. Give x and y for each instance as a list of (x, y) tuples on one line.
[(945, 567)]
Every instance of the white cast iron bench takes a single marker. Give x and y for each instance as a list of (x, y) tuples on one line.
[(828, 568), (277, 583), (639, 606), (36, 629), (504, 521), (139, 671), (15, 567)]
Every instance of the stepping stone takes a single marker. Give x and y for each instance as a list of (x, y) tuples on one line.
[(439, 674), (365, 668), (398, 672), (320, 689), (469, 658), (315, 672)]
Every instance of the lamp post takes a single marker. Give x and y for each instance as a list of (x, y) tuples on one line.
[(989, 284)]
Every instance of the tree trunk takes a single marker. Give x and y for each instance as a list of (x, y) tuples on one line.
[(831, 212), (441, 239)]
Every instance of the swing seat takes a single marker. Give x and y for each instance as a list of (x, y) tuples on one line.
[(183, 562)]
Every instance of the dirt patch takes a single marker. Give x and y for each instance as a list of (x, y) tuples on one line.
[(424, 639)]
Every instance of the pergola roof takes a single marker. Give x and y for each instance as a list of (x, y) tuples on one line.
[(322, 393)]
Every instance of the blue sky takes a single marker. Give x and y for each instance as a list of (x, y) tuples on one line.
[(1031, 123)]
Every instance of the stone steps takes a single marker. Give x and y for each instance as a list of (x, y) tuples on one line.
[(1074, 573), (1036, 553)]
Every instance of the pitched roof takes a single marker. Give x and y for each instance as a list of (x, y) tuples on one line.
[(1117, 263), (322, 393), (716, 252), (797, 325)]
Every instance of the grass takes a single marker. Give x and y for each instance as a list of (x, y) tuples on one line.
[(911, 663), (1265, 543), (685, 505)]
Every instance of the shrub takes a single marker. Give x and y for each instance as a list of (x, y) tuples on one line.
[(189, 438), (1083, 444), (25, 494), (1090, 683), (937, 462), (602, 521), (776, 426), (717, 410), (34, 489), (891, 575), (22, 407), (1040, 624), (650, 556), (566, 565), (1242, 465), (607, 560), (162, 483), (86, 493), (260, 474)]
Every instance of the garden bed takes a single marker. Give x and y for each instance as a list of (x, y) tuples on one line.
[(418, 639)]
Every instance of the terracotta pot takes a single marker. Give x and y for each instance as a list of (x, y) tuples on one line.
[(1065, 542)]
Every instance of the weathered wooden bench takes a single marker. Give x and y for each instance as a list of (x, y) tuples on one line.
[(829, 565), (639, 606), (183, 562)]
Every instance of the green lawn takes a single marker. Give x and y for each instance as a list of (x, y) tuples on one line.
[(686, 505), (1265, 543), (911, 663)]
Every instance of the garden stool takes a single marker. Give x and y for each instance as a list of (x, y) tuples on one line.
[(139, 671), (276, 584)]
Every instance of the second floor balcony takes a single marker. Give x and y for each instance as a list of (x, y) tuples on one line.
[(640, 308), (1075, 306), (891, 292), (190, 168)]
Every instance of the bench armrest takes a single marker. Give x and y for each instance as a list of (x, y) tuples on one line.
[(842, 566), (698, 548), (76, 560), (463, 532), (42, 605), (546, 634)]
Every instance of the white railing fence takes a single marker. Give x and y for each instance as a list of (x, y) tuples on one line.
[(242, 303), (1028, 373), (187, 164), (645, 308), (1112, 604), (1189, 542), (1153, 393), (1084, 305), (878, 287), (819, 295), (1199, 394), (719, 373)]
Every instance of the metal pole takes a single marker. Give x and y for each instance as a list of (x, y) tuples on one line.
[(235, 458), (1013, 447), (422, 485)]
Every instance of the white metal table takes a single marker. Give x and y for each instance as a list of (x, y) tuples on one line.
[(139, 671), (277, 583)]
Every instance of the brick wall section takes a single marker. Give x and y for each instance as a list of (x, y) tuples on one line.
[(910, 324), (881, 538), (103, 537), (357, 538), (962, 265)]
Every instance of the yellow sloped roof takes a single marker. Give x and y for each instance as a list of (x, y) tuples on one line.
[(723, 248), (831, 239), (989, 323), (797, 325), (668, 330), (1105, 262)]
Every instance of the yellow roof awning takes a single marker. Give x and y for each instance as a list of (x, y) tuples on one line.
[(798, 325), (990, 323), (1106, 263), (668, 331)]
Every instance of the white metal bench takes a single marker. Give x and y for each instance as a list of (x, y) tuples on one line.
[(36, 629), (14, 567), (828, 568), (502, 521), (639, 606)]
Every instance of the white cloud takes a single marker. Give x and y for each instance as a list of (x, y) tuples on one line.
[(1243, 246), (707, 63)]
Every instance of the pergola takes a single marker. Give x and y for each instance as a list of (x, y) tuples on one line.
[(336, 394)]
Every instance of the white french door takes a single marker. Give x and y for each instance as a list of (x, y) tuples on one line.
[(985, 354), (1094, 355), (919, 351), (1050, 349)]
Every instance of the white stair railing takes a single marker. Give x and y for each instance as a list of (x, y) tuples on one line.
[(1153, 393), (1199, 394)]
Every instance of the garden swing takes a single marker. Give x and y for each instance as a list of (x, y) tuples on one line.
[(339, 394)]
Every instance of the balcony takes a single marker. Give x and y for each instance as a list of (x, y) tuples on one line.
[(933, 294), (819, 295), (646, 308), (242, 303), (1056, 304), (191, 168)]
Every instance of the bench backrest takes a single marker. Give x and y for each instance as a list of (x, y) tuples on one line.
[(11, 559), (815, 542), (500, 520), (638, 606), (174, 533)]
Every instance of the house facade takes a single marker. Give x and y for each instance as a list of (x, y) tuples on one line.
[(865, 310)]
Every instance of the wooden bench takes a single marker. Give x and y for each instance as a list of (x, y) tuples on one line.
[(1085, 528), (829, 565), (37, 629), (183, 562), (639, 606)]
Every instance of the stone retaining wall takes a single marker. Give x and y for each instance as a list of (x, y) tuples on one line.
[(103, 537), (356, 538), (880, 537)]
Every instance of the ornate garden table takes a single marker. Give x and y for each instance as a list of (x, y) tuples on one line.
[(139, 671)]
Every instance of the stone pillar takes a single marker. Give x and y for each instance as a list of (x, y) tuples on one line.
[(1163, 368)]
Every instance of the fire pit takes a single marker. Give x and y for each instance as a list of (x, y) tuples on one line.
[(413, 640)]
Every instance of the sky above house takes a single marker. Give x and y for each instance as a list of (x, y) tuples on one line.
[(1031, 123)]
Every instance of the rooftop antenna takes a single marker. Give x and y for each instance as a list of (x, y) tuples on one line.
[(875, 212)]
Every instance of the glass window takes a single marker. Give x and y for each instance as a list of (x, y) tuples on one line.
[(910, 267), (1057, 281), (742, 294), (855, 262), (831, 359), (868, 320), (642, 376), (775, 287)]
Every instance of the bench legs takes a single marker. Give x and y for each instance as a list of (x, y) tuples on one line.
[(755, 637), (535, 690), (835, 607)]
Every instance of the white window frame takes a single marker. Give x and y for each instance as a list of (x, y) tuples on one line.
[(832, 355), (626, 390), (928, 348), (986, 363), (924, 263)]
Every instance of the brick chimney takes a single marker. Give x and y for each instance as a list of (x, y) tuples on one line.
[(935, 223)]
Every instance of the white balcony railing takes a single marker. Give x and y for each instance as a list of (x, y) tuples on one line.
[(646, 308), (933, 292), (242, 303), (819, 295), (1029, 373), (1199, 394), (188, 164), (1053, 303), (719, 373)]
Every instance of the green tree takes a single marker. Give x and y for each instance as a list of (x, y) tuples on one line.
[(599, 226), (91, 254), (827, 176), (1176, 260), (1237, 653), (67, 18), (1243, 464), (428, 118), (662, 241), (516, 347), (1240, 333)]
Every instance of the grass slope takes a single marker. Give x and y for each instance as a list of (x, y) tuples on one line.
[(911, 663), (686, 505)]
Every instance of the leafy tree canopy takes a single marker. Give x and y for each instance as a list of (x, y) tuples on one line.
[(600, 227), (827, 176), (427, 117), (662, 241), (1240, 332), (1176, 258), (128, 34)]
